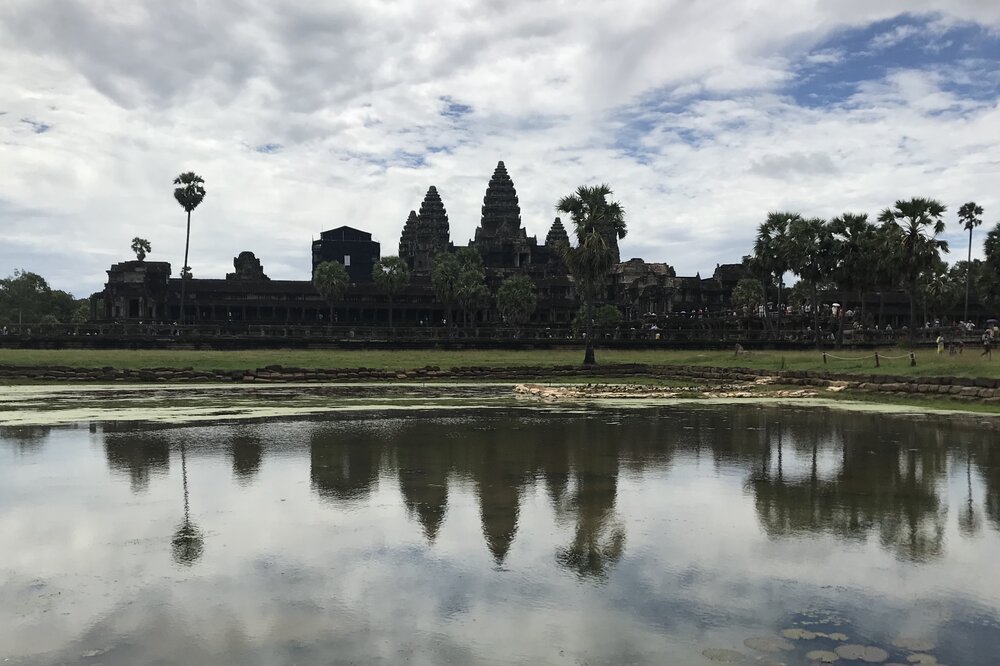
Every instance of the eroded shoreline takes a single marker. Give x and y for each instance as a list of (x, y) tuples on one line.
[(62, 405)]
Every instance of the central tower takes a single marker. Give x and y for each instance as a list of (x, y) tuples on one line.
[(500, 240)]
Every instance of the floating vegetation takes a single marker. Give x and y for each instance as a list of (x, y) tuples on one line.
[(797, 634), (868, 653), (922, 659), (822, 656), (723, 655), (768, 644), (837, 636), (914, 644)]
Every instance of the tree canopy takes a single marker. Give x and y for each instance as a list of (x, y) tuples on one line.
[(190, 190), (331, 280), (517, 298), (141, 247), (597, 222), (26, 297)]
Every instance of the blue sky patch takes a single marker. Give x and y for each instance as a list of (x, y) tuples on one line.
[(268, 148), (453, 109), (36, 126), (831, 73)]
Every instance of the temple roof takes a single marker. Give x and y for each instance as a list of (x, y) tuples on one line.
[(557, 234), (409, 235), (433, 218), (501, 211)]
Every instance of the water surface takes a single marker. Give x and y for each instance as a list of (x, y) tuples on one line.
[(513, 534)]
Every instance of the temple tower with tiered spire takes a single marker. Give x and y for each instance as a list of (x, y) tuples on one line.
[(500, 239), (426, 234), (557, 235)]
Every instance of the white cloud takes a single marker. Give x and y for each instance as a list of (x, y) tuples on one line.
[(137, 92)]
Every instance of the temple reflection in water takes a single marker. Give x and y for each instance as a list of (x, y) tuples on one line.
[(868, 478)]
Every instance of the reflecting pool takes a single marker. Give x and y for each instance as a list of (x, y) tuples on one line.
[(678, 534)]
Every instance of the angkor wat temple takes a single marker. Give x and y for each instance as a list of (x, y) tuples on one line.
[(145, 290)]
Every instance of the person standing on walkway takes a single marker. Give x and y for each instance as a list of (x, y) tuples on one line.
[(987, 346), (940, 343)]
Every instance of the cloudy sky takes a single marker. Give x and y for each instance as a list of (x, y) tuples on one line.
[(702, 116)]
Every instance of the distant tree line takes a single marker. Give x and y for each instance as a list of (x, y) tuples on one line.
[(26, 297), (902, 249)]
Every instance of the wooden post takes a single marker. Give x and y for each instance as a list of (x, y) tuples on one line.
[(824, 358), (876, 359), (913, 360)]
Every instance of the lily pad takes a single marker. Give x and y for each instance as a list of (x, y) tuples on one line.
[(837, 636), (768, 644), (922, 659), (822, 656), (914, 644), (797, 634), (723, 655), (868, 653)]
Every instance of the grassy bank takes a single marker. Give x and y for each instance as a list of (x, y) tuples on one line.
[(969, 364)]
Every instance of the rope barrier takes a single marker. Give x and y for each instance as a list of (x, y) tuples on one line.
[(860, 358), (878, 358)]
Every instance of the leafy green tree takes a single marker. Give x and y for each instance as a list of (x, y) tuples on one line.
[(470, 290), (26, 297), (445, 270), (81, 315), (748, 296), (595, 220), (913, 227), (971, 216), (799, 294), (331, 280), (854, 251), (391, 274), (809, 253), (939, 292), (517, 299), (771, 250), (141, 247), (458, 280), (988, 284), (604, 317), (189, 193)]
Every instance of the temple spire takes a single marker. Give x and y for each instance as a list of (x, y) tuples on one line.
[(408, 239), (501, 214), (432, 234), (557, 234)]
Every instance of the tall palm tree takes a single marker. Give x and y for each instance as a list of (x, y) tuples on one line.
[(141, 247), (331, 280), (970, 215), (914, 226), (854, 253), (809, 253), (391, 274), (770, 249), (189, 193), (595, 220)]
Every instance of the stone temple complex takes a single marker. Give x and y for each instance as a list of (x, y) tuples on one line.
[(145, 290)]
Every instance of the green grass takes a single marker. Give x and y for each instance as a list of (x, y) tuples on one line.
[(969, 364)]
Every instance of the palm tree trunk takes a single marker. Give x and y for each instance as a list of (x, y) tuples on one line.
[(815, 308), (913, 311), (390, 316), (968, 277), (588, 354), (780, 282), (187, 243), (329, 324), (840, 326)]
